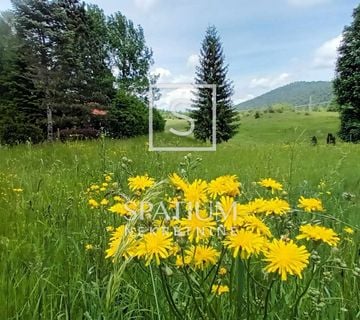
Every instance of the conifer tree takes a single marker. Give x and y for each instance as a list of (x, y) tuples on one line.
[(213, 70), (347, 82)]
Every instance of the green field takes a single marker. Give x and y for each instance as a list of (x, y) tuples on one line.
[(45, 271)]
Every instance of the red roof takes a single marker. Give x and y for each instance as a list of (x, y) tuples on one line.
[(98, 112)]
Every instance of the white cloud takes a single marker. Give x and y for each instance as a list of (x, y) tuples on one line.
[(269, 83), (182, 78), (145, 4), (306, 3), (192, 61), (163, 73), (175, 99), (325, 55)]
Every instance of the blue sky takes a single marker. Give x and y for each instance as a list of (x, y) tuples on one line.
[(266, 43)]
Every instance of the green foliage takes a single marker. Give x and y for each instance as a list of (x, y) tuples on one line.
[(16, 131), (129, 117), (59, 56), (296, 94), (333, 106), (347, 82), (129, 54), (20, 111), (212, 70)]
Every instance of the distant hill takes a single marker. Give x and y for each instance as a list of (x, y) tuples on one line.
[(296, 93)]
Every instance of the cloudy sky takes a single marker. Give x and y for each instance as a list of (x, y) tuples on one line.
[(266, 43)]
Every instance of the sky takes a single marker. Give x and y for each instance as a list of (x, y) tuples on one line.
[(267, 43)]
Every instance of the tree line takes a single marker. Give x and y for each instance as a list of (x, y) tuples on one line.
[(66, 67)]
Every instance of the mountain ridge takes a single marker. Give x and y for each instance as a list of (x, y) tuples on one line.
[(296, 93)]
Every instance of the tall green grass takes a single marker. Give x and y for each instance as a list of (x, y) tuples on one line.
[(45, 271)]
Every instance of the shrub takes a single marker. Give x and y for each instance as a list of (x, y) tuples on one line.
[(271, 109), (129, 117), (13, 132), (257, 115)]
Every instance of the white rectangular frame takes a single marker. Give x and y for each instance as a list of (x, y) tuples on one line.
[(151, 116)]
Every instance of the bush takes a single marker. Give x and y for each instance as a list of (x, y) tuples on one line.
[(12, 132), (158, 121), (257, 115), (271, 109), (130, 117)]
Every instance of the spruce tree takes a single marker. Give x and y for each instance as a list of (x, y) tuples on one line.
[(347, 82), (213, 70)]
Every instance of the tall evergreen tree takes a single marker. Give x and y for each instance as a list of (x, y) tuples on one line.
[(21, 118), (347, 82), (67, 57), (57, 59), (212, 70)]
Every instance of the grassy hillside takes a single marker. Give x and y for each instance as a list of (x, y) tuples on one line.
[(297, 93), (45, 271)]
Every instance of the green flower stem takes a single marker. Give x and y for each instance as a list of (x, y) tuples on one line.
[(267, 298), (155, 295), (168, 295)]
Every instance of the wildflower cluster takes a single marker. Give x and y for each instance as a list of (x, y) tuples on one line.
[(203, 227)]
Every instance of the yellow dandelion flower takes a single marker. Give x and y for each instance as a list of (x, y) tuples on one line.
[(202, 256), (89, 247), (275, 206), (104, 202), (271, 184), (195, 193), (310, 204), (256, 205), (172, 202), (254, 224), (122, 243), (348, 230), (18, 190), (222, 271), (219, 289), (102, 189), (182, 261), (110, 228), (178, 182), (137, 207), (246, 242), (198, 226), (175, 249), (105, 184), (224, 185), (130, 208), (108, 178), (319, 233), (242, 210), (140, 183), (155, 245), (227, 209), (93, 203), (94, 187), (118, 199), (119, 208), (285, 257)]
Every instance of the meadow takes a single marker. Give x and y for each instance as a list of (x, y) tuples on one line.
[(52, 243)]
